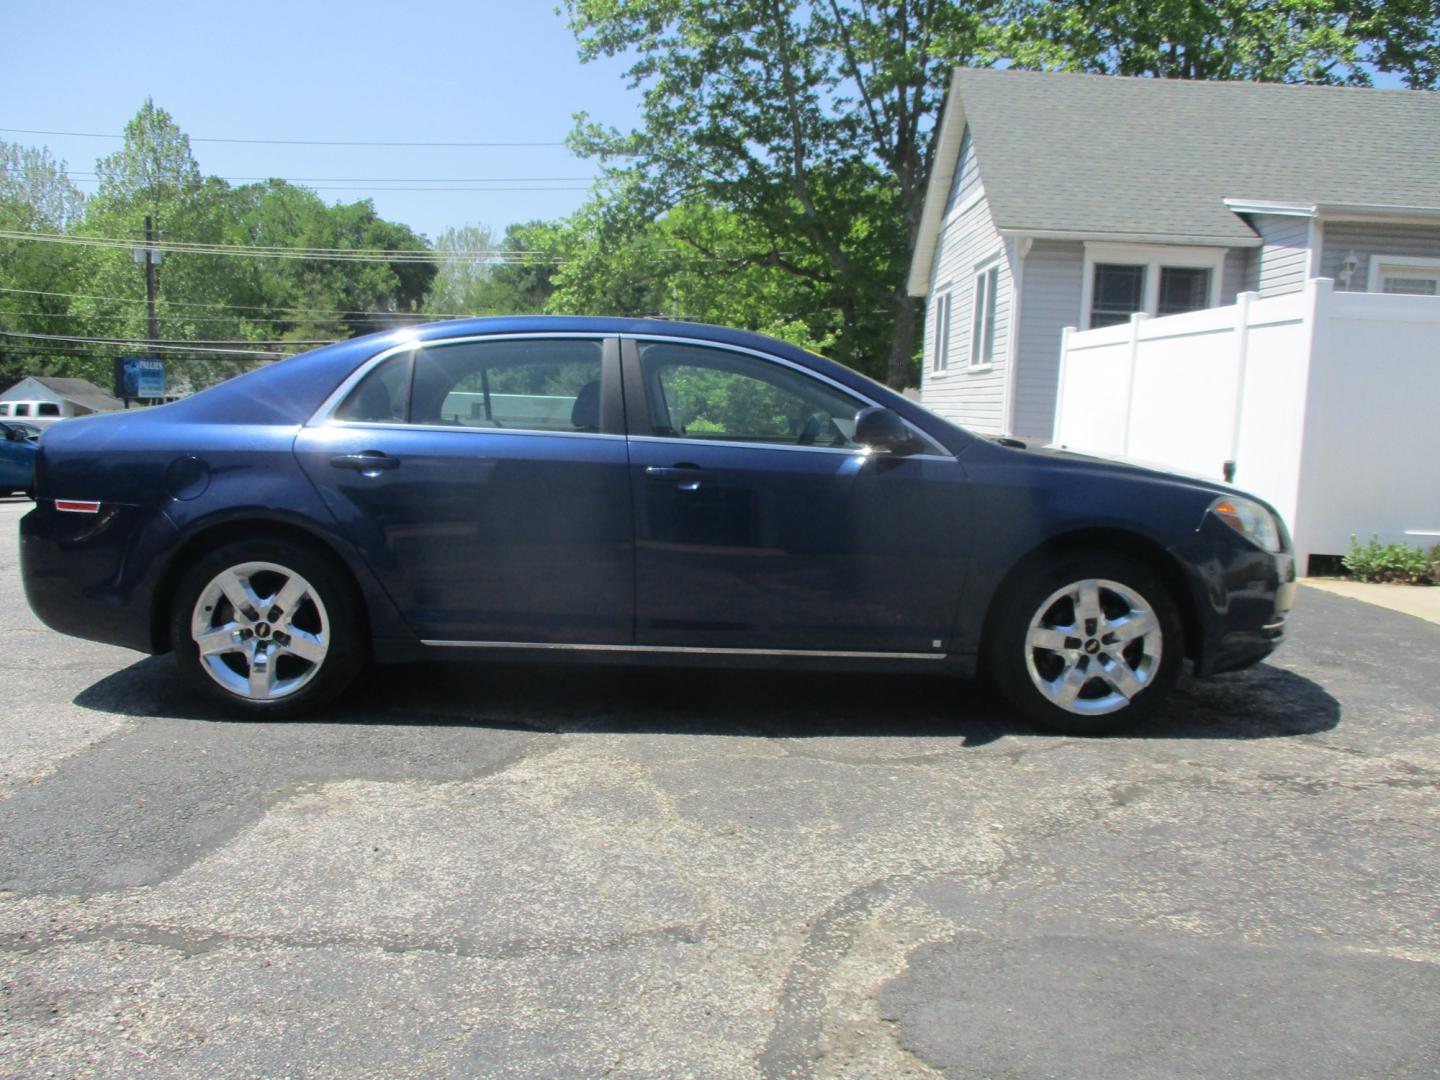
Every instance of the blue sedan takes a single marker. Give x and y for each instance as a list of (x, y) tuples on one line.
[(18, 445), (628, 490)]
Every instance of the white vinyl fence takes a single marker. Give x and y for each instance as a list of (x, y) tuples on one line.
[(1327, 403)]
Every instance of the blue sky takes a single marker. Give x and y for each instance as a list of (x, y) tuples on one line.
[(439, 70)]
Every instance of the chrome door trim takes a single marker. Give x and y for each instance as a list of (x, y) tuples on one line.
[(840, 654)]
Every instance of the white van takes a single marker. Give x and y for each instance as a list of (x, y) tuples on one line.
[(40, 413)]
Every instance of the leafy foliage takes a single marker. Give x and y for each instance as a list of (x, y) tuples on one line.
[(812, 123), (1375, 561), (1314, 41), (100, 292)]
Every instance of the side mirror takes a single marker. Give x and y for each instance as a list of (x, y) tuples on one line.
[(883, 431)]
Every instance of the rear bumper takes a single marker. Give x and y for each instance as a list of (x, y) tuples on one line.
[(93, 575)]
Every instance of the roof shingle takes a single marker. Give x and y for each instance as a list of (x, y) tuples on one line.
[(1138, 156)]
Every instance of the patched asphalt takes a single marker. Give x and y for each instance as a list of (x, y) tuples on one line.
[(506, 871)]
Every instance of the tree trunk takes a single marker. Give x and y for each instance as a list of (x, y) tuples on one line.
[(902, 345)]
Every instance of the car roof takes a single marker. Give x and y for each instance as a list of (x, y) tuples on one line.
[(289, 391)]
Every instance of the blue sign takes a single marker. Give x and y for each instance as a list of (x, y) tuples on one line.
[(140, 378)]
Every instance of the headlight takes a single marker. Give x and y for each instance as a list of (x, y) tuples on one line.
[(1249, 519)]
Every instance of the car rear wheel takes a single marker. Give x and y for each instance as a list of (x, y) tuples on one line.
[(1091, 643), (269, 627)]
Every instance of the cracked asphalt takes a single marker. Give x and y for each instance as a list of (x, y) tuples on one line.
[(516, 872)]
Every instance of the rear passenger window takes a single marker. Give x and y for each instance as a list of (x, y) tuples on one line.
[(524, 385), (22, 409), (380, 397)]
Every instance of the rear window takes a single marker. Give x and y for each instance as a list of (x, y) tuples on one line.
[(47, 408)]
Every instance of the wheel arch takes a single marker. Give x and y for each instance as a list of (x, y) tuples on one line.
[(216, 534), (1166, 568)]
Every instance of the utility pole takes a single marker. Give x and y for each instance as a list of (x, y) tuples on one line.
[(150, 260)]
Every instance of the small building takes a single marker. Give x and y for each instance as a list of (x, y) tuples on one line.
[(70, 397), (1067, 200)]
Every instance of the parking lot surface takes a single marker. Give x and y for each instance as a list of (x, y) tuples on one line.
[(504, 871)]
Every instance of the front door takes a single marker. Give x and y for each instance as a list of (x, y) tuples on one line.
[(486, 483), (760, 525)]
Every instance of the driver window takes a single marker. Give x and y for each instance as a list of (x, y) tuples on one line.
[(696, 392)]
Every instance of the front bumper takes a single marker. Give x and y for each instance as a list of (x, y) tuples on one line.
[(1242, 597)]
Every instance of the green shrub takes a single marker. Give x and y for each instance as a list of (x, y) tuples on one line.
[(1390, 562)]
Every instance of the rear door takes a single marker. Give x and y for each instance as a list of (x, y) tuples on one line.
[(486, 483)]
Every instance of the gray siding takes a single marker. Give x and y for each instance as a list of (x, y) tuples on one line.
[(1235, 276), (1341, 238), (1050, 282), (967, 174), (1280, 263), (968, 240)]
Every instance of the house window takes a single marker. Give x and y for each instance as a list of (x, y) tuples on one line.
[(1122, 280), (1406, 277), (1119, 293), (982, 323), (941, 360), (1183, 288)]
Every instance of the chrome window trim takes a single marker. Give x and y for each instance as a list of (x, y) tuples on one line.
[(325, 414), (856, 451), (704, 343), (841, 654), (380, 425)]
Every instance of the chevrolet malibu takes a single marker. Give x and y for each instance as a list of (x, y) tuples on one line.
[(649, 492)]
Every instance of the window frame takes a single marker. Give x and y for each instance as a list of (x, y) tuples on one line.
[(1382, 266), (940, 357), (612, 409), (1154, 258), (982, 322), (637, 408)]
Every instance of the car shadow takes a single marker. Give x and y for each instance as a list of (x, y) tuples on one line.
[(1261, 703)]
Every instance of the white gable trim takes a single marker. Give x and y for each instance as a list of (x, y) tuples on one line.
[(1362, 212), (937, 191)]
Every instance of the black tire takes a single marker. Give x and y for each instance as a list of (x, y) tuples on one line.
[(1117, 682), (327, 623)]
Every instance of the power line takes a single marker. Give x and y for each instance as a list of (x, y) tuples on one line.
[(286, 142), (87, 175), (205, 347), (477, 190), (230, 307), (389, 255)]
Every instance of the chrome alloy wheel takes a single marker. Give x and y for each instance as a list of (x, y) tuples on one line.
[(1092, 646), (262, 630)]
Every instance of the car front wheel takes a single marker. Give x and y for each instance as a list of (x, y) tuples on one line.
[(1091, 643), (267, 626)]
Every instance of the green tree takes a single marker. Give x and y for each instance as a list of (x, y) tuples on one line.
[(36, 195), (811, 119), (465, 259), (1315, 41)]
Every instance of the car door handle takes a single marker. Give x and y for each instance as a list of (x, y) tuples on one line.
[(684, 476), (366, 463)]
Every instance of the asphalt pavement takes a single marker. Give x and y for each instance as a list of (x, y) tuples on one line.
[(561, 872)]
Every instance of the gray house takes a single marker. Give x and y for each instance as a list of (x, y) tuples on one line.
[(1062, 200)]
